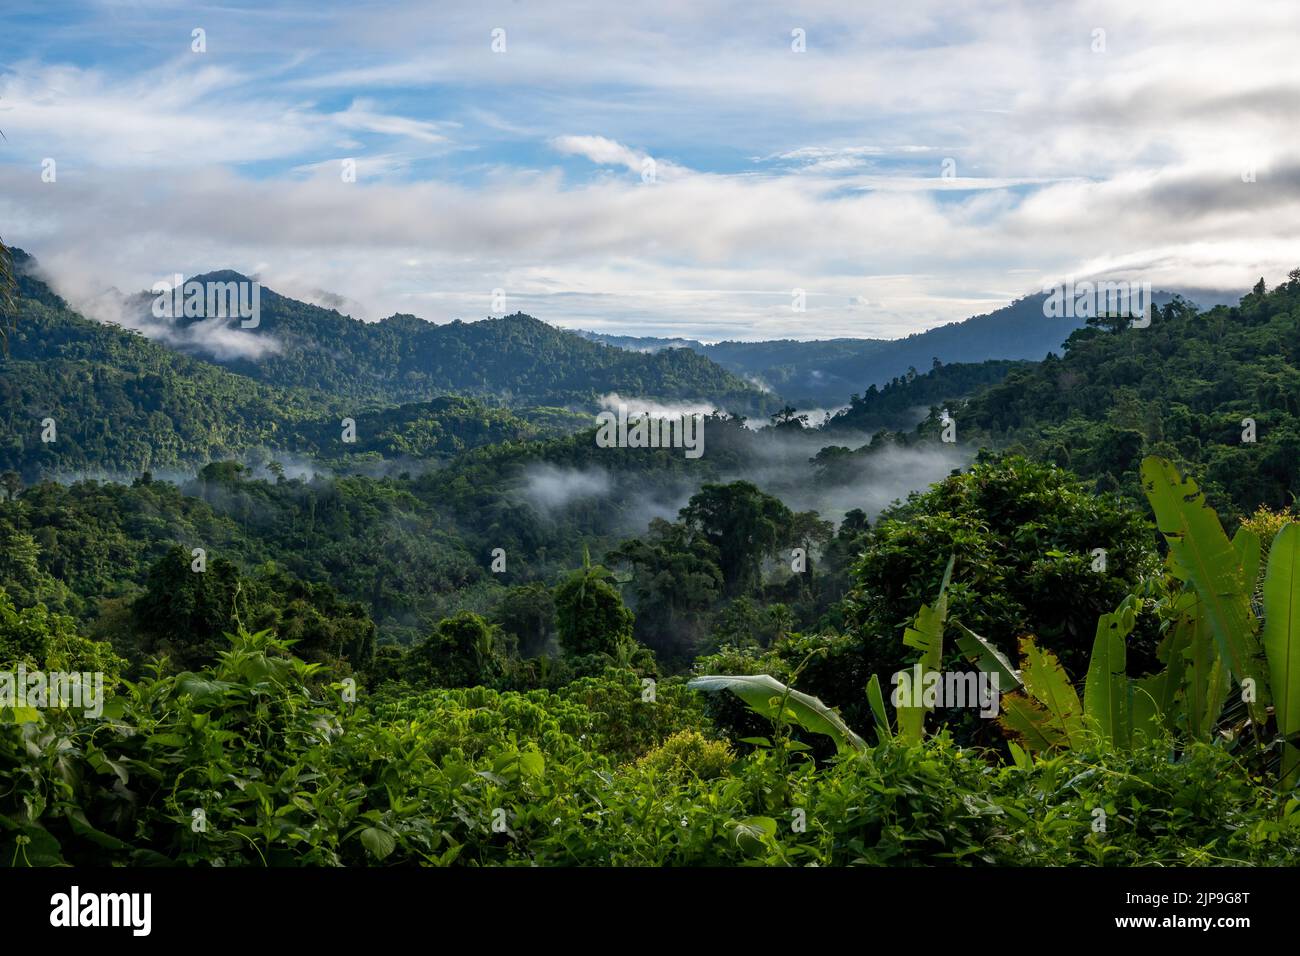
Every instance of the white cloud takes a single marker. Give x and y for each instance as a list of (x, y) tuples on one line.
[(600, 150), (1067, 161)]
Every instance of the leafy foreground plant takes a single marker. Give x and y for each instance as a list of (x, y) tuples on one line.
[(245, 763), (1214, 638)]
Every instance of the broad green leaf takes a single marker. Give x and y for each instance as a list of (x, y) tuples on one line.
[(1246, 544), (1282, 639), (1029, 720), (877, 701), (765, 694), (1018, 756), (1206, 681), (532, 763), (84, 829), (1197, 540), (1046, 682), (1154, 701), (753, 833), (987, 658), (20, 715), (1105, 689), (911, 722), (925, 634), (1173, 652), (379, 843)]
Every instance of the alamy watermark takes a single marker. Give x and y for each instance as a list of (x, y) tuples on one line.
[(74, 908), (1085, 300), (59, 689), (650, 431), (947, 689), (209, 300)]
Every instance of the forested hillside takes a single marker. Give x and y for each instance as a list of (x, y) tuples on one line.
[(1217, 392), (557, 652), (907, 399), (511, 360), (121, 404), (826, 372)]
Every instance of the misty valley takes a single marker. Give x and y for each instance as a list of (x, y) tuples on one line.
[(496, 593)]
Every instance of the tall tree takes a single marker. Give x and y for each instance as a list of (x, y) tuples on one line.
[(589, 612), (743, 524)]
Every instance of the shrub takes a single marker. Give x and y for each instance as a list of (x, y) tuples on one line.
[(688, 753)]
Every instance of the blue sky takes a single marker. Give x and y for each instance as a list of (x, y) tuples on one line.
[(915, 164)]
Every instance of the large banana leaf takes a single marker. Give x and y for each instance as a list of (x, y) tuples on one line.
[(877, 701), (1206, 680), (1282, 639), (1029, 720), (1197, 540), (765, 695), (1247, 545), (1106, 688), (987, 658), (1154, 702), (926, 635), (1046, 681)]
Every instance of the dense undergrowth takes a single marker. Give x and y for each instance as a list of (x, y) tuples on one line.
[(254, 762)]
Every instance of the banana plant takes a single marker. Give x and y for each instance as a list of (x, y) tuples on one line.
[(1282, 642), (1046, 713), (1215, 638), (768, 696), (1218, 572), (925, 634)]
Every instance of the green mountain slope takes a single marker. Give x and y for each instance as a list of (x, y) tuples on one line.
[(1182, 388), (907, 399), (512, 360), (115, 403), (827, 372)]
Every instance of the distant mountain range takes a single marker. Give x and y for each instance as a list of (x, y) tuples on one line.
[(119, 402), (827, 372), (512, 360), (143, 392)]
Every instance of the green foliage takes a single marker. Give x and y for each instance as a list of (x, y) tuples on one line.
[(1023, 536), (925, 634), (527, 613), (1281, 639), (473, 742), (8, 293), (676, 578), (589, 613), (783, 705), (404, 358), (45, 640), (894, 406), (1179, 389), (462, 651), (1204, 554), (124, 404), (184, 613), (743, 526), (688, 753), (251, 763)]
